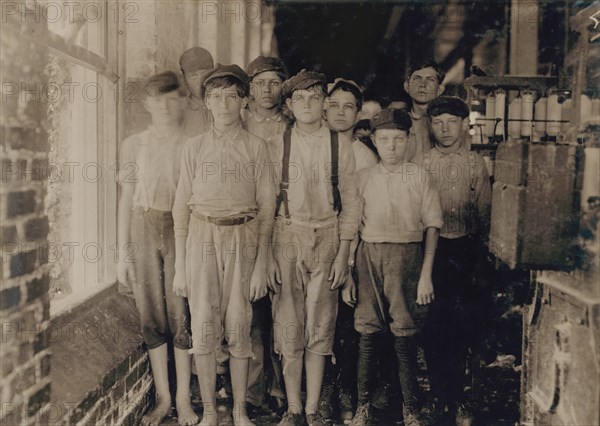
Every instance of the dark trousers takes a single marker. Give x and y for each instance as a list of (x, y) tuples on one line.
[(456, 315)]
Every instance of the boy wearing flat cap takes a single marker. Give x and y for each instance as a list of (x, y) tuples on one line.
[(317, 218), (195, 64), (223, 215), (424, 83), (145, 220), (344, 102), (463, 181), (399, 204)]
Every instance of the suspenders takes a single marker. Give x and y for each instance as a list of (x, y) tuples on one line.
[(285, 175)]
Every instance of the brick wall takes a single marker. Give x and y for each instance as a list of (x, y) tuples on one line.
[(24, 301)]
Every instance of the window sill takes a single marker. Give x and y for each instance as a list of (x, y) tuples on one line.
[(66, 304)]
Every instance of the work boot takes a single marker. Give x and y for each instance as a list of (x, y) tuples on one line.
[(315, 419), (363, 416), (464, 416), (292, 419), (411, 416), (326, 401), (346, 410)]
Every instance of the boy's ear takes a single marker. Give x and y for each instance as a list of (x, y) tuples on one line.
[(288, 102), (326, 102), (465, 124), (406, 86), (244, 102), (441, 89)]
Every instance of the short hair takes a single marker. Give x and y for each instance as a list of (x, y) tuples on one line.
[(225, 82), (347, 87), (164, 82), (428, 63), (365, 124)]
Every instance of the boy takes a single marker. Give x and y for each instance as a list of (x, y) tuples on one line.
[(265, 119), (195, 65), (311, 242), (394, 277), (343, 103), (223, 208), (463, 182), (423, 84), (145, 220)]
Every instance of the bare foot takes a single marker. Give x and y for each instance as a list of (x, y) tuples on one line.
[(209, 419), (242, 420), (185, 413), (156, 416)]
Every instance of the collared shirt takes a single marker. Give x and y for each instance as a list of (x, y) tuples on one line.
[(419, 139), (465, 212), (310, 193), (266, 128), (363, 156), (397, 207), (225, 176), (196, 117), (151, 161)]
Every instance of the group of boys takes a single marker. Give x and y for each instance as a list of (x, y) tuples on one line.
[(252, 184)]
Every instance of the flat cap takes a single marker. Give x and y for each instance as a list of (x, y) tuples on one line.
[(334, 85), (160, 83), (234, 71), (448, 105), (303, 80), (391, 118), (195, 58), (266, 63)]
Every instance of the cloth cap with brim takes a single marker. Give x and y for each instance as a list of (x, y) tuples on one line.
[(264, 64), (302, 81), (448, 105), (391, 118), (332, 86), (194, 59), (228, 71)]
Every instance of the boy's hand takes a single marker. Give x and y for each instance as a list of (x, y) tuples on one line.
[(125, 272), (339, 270), (425, 290), (179, 283), (258, 283), (349, 291), (273, 276)]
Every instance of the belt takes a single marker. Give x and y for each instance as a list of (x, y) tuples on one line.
[(224, 221)]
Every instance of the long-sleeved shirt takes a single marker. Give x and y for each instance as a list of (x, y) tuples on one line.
[(151, 161), (363, 156), (196, 117), (225, 176), (419, 139), (310, 193), (464, 212), (397, 207), (266, 128)]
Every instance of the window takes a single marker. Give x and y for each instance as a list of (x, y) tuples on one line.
[(82, 108)]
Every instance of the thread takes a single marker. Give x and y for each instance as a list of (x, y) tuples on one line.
[(540, 114), (500, 112), (553, 114), (514, 113), (490, 111), (527, 113)]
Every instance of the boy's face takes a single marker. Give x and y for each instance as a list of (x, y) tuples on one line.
[(341, 110), (225, 104), (449, 129), (266, 89), (307, 105), (165, 108), (193, 80), (423, 86), (391, 145)]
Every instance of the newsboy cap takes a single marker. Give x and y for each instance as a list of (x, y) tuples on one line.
[(195, 58), (391, 118), (266, 63), (448, 105), (234, 71), (303, 80)]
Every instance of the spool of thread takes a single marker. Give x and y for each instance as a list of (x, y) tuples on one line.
[(590, 186), (500, 112), (553, 115), (596, 110), (566, 114), (539, 116), (585, 109), (527, 113), (490, 111), (514, 113)]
